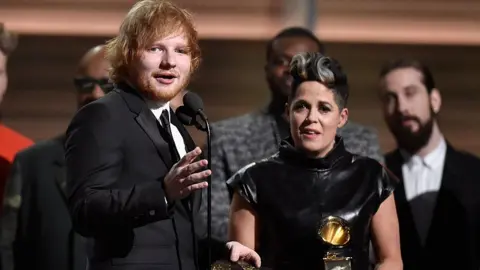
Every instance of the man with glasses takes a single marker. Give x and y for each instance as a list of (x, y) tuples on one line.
[(44, 237)]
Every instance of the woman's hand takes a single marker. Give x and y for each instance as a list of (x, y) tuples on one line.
[(239, 252)]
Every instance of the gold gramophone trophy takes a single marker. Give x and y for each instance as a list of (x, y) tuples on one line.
[(335, 232)]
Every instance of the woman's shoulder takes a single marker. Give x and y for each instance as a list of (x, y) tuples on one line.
[(385, 181), (374, 168), (257, 166), (365, 161), (245, 180)]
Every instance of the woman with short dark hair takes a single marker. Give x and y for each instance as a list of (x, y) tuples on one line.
[(314, 205)]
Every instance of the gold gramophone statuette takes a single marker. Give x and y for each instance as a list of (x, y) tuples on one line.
[(335, 232)]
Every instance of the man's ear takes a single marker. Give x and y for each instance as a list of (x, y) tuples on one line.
[(436, 100), (343, 118)]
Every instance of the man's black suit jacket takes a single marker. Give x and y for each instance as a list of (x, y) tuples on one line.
[(453, 240), (44, 236), (116, 161)]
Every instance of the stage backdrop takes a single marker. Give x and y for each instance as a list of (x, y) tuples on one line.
[(40, 100)]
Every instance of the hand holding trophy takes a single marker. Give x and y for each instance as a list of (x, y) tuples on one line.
[(335, 232)]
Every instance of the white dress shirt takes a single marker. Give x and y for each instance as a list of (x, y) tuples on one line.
[(422, 178), (157, 110)]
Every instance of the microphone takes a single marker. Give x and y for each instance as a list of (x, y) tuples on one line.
[(184, 114), (193, 107), (193, 102)]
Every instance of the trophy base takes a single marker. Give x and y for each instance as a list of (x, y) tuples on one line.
[(334, 262), (338, 265), (227, 265)]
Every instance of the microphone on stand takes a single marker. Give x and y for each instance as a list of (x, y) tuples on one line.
[(187, 114), (184, 114)]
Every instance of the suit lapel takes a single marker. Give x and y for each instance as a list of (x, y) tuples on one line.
[(408, 230), (394, 164), (60, 178), (59, 170), (447, 207), (146, 120)]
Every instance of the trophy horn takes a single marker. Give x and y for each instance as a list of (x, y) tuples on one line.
[(334, 231)]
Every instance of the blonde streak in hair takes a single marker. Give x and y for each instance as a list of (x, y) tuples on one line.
[(298, 65), (323, 73)]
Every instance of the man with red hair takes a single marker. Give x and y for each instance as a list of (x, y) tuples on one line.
[(134, 181)]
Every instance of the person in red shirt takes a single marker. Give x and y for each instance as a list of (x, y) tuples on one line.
[(10, 141)]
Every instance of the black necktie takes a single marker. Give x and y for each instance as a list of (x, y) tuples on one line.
[(164, 119)]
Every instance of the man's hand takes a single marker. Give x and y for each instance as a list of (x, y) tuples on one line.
[(239, 252), (184, 177)]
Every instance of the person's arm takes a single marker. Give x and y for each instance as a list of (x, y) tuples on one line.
[(94, 161), (242, 227), (386, 239), (243, 232)]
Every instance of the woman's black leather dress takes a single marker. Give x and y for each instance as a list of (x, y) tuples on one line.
[(291, 193)]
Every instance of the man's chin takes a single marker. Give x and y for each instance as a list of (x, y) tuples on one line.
[(413, 141), (161, 95)]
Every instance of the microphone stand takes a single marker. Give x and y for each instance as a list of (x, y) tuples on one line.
[(209, 194), (209, 187)]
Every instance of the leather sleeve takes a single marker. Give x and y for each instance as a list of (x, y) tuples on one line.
[(387, 183), (242, 183)]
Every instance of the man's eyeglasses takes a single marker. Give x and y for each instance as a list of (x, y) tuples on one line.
[(87, 84)]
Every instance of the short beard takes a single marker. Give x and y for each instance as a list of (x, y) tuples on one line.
[(413, 142), (147, 88)]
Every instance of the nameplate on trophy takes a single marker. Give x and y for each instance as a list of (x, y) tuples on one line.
[(228, 265)]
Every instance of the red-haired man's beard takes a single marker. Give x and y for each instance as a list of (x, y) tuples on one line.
[(155, 90)]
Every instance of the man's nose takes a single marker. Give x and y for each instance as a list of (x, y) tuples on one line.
[(168, 60), (402, 105)]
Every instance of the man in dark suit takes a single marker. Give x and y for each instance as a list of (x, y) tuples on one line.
[(133, 183), (438, 200), (36, 214)]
